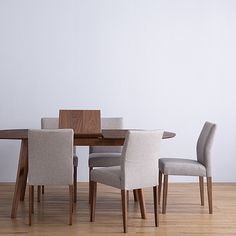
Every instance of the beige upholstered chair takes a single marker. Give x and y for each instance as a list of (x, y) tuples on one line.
[(53, 123), (50, 161), (138, 170), (186, 167)]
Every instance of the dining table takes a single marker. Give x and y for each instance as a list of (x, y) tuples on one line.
[(108, 137)]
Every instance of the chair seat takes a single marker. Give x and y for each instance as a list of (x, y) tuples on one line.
[(178, 166), (75, 161), (104, 159), (108, 175)]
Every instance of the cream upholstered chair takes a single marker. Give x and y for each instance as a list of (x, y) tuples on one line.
[(186, 167), (53, 123), (105, 156), (138, 170), (50, 161)]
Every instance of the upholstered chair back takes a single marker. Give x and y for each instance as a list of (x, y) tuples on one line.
[(109, 123), (139, 161), (204, 145), (50, 123), (50, 157)]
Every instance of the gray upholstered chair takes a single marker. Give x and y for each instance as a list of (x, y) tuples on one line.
[(53, 123), (105, 156), (50, 162), (138, 170), (186, 167)]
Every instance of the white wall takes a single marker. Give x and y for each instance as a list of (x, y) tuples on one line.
[(159, 64)]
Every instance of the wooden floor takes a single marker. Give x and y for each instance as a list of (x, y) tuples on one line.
[(184, 215)]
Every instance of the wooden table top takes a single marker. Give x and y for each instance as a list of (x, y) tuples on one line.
[(106, 134)]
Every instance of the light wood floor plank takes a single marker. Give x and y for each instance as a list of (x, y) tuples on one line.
[(185, 215)]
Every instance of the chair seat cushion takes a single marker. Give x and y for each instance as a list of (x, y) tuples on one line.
[(107, 175), (178, 166), (75, 160), (104, 159)]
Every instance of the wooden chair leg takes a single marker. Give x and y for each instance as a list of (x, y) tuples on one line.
[(75, 184), (42, 189), (159, 187), (209, 191), (90, 185), (142, 203), (93, 200), (71, 192), (32, 199), (124, 209), (38, 193), (30, 204), (135, 195), (165, 190), (201, 186), (155, 206)]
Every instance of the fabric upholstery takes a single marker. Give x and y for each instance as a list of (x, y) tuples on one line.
[(178, 166), (50, 157), (108, 123), (104, 159), (201, 167), (139, 162), (107, 175), (53, 123)]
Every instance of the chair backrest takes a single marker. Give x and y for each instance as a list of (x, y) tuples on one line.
[(81, 121), (49, 123), (108, 123), (50, 157), (204, 145), (139, 162), (52, 123)]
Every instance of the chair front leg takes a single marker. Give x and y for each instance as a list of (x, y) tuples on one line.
[(31, 199), (38, 193), (209, 191), (75, 184), (90, 185), (159, 187), (93, 200), (124, 209), (142, 203), (156, 212), (201, 186), (165, 190)]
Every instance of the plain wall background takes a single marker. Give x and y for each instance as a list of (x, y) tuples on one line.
[(158, 64)]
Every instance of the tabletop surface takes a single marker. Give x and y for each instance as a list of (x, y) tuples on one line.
[(106, 134)]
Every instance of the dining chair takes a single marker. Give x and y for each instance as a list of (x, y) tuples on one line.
[(53, 123), (188, 167), (50, 162), (105, 156), (138, 170), (83, 123)]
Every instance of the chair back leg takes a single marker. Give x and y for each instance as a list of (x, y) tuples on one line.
[(124, 209), (201, 186), (70, 203)]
